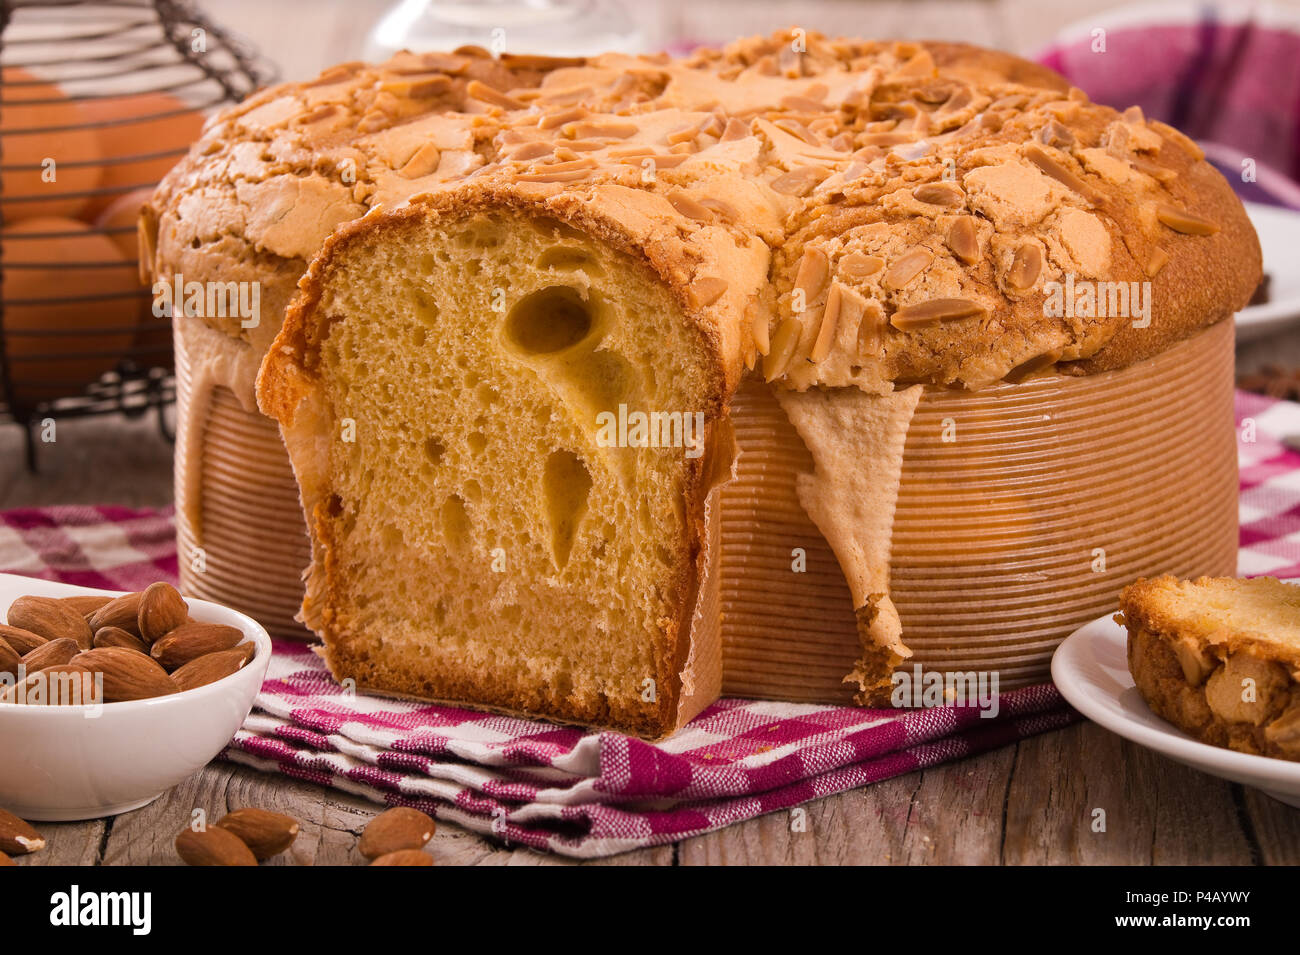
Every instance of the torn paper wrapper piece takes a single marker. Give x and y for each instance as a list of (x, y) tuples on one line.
[(856, 441)]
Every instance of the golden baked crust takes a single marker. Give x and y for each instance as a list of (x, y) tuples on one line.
[(1219, 658), (887, 175)]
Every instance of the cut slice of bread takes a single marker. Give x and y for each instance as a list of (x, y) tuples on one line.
[(1219, 658), (459, 393)]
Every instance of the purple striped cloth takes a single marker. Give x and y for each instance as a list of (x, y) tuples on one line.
[(591, 794), (1227, 74)]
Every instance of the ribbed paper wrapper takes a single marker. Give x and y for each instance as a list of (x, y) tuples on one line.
[(1045, 500), (1050, 496), (240, 534)]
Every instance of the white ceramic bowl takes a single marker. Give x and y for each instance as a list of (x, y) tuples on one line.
[(81, 762)]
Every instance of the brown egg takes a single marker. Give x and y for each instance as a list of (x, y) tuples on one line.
[(171, 136), (39, 271), (26, 193), (154, 340)]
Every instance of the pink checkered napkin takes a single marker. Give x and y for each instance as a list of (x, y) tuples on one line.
[(588, 794)]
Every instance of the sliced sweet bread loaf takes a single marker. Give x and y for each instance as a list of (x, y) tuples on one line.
[(1219, 658), (505, 479)]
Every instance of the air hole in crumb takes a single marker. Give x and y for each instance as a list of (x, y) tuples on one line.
[(455, 523), (334, 506), (434, 450), (549, 320), (473, 491), (487, 395), (566, 485), (567, 258), (477, 442)]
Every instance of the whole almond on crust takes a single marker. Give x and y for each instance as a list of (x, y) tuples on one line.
[(394, 830), (265, 833), (51, 619), (190, 641), (121, 612), (162, 610), (213, 846), (127, 674), (63, 685), (210, 668), (53, 653), (16, 836), (117, 637), (86, 604), (407, 857), (23, 641)]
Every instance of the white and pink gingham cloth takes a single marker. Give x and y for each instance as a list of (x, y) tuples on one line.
[(590, 794)]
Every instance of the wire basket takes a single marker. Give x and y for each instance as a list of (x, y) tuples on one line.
[(97, 101)]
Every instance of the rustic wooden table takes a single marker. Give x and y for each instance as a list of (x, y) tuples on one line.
[(1032, 802)]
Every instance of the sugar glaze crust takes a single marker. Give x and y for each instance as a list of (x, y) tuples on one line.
[(873, 179)]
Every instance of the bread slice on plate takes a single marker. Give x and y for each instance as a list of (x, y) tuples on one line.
[(506, 480), (1219, 658)]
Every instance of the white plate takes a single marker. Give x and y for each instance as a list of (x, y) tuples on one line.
[(1279, 238), (1091, 670)]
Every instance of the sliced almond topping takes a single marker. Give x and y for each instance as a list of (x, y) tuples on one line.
[(538, 61), (784, 342), (423, 163), (1026, 264), (724, 209), (859, 265), (830, 320), (1049, 165), (1159, 259), (1037, 363), (907, 268), (940, 194), (871, 331), (884, 139), (531, 151), (705, 291), (735, 129), (585, 145), (758, 326), (802, 104), (814, 271), (798, 130), (963, 239), (689, 207), (563, 117), (683, 134), (559, 97), (1180, 220), (631, 152), (799, 181), (1057, 134), (599, 130), (550, 174), (1158, 173), (478, 90), (934, 311)]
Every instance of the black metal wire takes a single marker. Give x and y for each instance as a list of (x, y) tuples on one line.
[(142, 379)]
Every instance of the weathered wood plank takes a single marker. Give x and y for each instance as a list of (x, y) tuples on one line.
[(68, 843), (948, 815), (1156, 811), (1275, 825)]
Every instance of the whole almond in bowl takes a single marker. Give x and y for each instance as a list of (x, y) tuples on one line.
[(123, 611), (63, 685), (86, 605), (265, 833), (162, 609), (394, 830), (9, 658), (212, 667), (23, 641), (127, 674), (117, 637), (190, 641), (78, 762), (51, 619), (53, 653)]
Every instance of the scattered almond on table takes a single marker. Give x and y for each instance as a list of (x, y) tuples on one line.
[(265, 833), (139, 646), (17, 837), (396, 830), (213, 847)]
